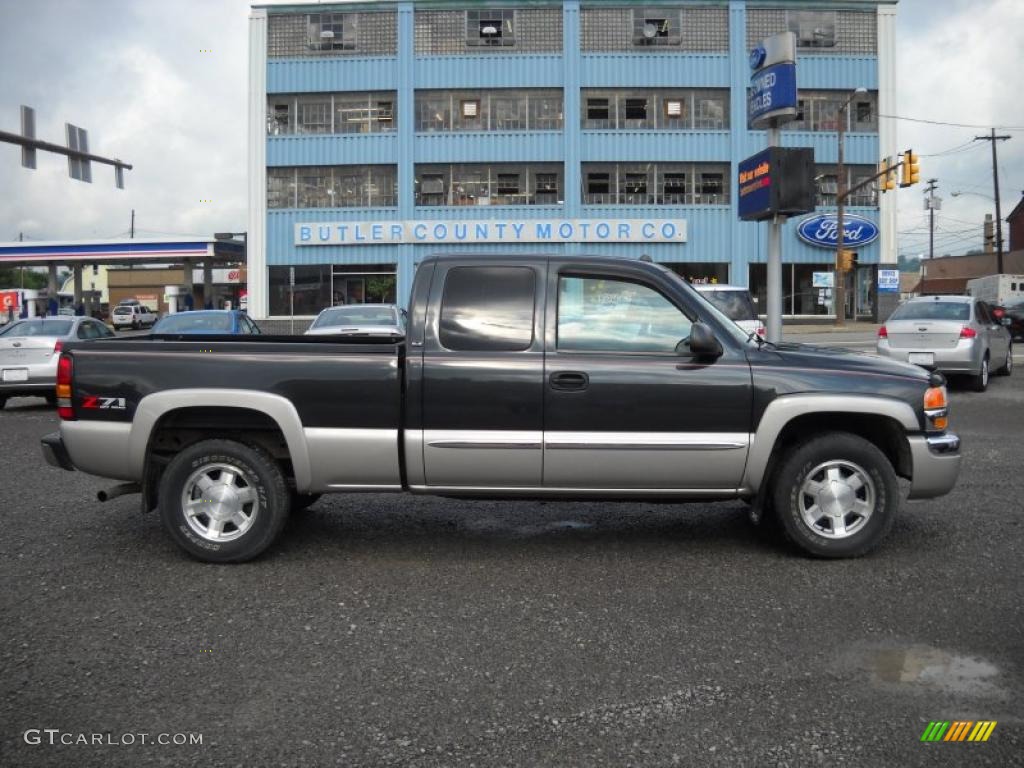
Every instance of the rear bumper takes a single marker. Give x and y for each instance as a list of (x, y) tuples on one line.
[(963, 358), (55, 453), (936, 465)]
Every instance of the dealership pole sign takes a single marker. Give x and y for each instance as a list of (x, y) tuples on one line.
[(772, 98), (823, 230), (504, 231)]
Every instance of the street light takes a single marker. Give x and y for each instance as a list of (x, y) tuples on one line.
[(839, 291)]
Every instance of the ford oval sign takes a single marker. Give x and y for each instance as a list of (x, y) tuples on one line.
[(757, 57), (823, 230)]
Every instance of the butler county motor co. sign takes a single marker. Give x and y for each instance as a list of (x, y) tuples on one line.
[(492, 231)]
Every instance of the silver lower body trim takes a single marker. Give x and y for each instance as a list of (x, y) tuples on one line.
[(936, 465), (570, 491), (350, 459), (101, 448)]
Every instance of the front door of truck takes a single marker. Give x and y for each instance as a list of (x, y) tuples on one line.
[(624, 408), (483, 369)]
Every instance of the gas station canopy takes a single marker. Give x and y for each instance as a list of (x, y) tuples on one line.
[(120, 251)]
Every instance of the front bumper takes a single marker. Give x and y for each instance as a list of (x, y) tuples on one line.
[(936, 465), (55, 453)]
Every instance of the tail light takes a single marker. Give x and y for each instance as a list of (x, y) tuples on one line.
[(760, 331), (57, 347), (936, 407), (967, 332), (883, 333), (65, 367)]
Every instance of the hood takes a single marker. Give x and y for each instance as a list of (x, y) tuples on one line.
[(813, 356)]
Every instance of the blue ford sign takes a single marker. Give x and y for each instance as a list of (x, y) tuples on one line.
[(823, 230), (757, 57), (772, 94)]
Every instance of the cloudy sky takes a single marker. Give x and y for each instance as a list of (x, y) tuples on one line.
[(138, 76)]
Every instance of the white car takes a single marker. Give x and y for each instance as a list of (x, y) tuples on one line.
[(132, 316), (360, 320), (735, 302)]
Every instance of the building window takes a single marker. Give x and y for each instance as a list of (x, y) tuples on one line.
[(482, 184), (655, 184), (339, 186), (828, 185), (331, 31), (500, 110), (799, 296), (492, 27), (813, 29), (331, 113), (819, 111), (657, 26), (656, 109), (320, 286)]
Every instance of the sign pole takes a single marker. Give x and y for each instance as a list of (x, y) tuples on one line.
[(773, 314)]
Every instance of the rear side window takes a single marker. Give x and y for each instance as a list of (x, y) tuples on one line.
[(488, 309)]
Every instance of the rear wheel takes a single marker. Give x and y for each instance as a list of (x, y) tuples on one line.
[(51, 398), (979, 382), (3, 402), (836, 496), (223, 501), (1007, 369)]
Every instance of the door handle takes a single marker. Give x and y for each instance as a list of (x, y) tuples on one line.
[(569, 381)]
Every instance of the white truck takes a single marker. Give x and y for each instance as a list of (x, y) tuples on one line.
[(997, 290)]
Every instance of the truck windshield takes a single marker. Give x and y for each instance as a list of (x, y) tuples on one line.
[(736, 305), (356, 316)]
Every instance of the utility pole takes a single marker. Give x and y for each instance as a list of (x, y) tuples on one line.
[(930, 203), (995, 183), (131, 231)]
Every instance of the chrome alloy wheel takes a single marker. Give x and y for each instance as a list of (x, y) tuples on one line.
[(220, 502), (837, 499)]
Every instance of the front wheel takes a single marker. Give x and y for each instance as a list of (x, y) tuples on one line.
[(836, 496), (1007, 369), (223, 501)]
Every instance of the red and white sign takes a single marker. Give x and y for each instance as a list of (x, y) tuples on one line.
[(9, 300)]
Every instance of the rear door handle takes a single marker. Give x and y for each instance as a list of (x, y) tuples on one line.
[(569, 381)]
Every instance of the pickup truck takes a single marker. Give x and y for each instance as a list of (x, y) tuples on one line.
[(539, 377)]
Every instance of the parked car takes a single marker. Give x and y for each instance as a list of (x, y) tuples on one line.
[(360, 320), (517, 378), (1015, 312), (209, 321), (29, 350), (952, 334), (132, 316), (734, 302)]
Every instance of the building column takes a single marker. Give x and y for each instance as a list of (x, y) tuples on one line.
[(888, 145), (52, 301), (77, 271), (256, 239), (405, 266), (572, 58), (186, 281), (208, 284)]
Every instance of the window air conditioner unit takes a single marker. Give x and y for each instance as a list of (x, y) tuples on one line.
[(326, 34)]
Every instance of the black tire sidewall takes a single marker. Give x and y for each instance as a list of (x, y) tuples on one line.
[(836, 446), (266, 478)]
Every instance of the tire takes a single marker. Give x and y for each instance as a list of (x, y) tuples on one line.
[(135, 325), (51, 398), (979, 383), (250, 509), (3, 403), (302, 501), (865, 512), (1007, 369)]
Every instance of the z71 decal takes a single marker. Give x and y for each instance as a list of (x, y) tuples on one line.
[(116, 403)]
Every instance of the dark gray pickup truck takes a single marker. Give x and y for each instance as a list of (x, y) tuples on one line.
[(566, 377)]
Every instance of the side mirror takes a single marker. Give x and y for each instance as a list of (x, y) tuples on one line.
[(702, 342)]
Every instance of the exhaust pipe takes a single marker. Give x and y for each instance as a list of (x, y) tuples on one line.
[(118, 490)]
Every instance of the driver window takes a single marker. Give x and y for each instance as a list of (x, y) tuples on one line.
[(612, 315)]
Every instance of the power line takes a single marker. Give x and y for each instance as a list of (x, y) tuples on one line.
[(954, 125)]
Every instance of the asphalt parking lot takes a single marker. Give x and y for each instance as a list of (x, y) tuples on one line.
[(407, 631)]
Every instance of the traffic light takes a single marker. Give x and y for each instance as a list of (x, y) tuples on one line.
[(845, 260), (887, 180), (910, 170)]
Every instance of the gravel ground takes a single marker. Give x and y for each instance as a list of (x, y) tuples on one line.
[(408, 631)]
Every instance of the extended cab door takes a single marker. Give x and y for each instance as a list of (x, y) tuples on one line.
[(482, 375), (623, 408)]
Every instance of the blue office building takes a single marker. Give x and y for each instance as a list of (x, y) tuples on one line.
[(384, 131)]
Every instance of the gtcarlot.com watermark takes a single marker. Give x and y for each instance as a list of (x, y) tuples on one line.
[(55, 736)]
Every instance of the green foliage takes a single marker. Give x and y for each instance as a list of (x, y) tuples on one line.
[(11, 277)]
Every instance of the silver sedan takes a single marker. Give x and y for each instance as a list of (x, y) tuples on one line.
[(29, 350), (360, 320), (951, 334)]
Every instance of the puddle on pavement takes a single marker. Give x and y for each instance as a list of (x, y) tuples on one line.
[(923, 665)]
